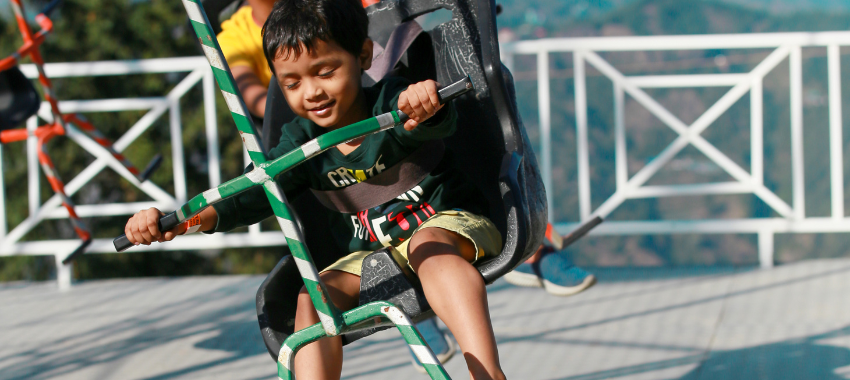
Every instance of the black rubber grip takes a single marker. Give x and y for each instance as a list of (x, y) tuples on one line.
[(452, 91), (156, 161), (77, 252), (447, 94), (167, 222), (581, 231)]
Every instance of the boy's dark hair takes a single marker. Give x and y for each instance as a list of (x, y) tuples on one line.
[(295, 25)]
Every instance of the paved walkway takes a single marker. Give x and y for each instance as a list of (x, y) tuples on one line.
[(791, 322)]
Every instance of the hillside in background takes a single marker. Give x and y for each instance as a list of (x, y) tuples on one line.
[(660, 17)]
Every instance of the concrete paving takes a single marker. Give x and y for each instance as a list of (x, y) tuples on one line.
[(790, 322)]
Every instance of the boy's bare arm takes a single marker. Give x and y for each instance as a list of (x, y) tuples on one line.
[(419, 101), (142, 227)]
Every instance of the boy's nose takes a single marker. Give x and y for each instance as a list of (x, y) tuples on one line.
[(314, 92)]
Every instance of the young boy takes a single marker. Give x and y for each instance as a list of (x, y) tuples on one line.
[(317, 51)]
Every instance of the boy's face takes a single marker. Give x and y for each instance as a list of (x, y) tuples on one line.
[(324, 85)]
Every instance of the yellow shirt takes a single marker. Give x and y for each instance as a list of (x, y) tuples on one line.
[(241, 41)]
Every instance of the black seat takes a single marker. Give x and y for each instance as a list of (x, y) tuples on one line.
[(490, 143), (18, 98)]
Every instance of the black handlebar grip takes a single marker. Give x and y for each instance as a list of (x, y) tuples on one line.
[(165, 223), (452, 91), (156, 161), (447, 94)]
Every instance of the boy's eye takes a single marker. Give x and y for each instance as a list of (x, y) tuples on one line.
[(291, 86), (327, 73)]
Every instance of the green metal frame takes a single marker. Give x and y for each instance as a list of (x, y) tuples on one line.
[(333, 321)]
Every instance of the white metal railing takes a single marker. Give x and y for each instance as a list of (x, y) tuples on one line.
[(198, 72), (792, 218)]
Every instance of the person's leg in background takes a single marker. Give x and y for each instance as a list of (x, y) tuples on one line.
[(551, 270)]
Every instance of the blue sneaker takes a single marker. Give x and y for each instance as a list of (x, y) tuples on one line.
[(560, 277), (441, 344), (524, 275)]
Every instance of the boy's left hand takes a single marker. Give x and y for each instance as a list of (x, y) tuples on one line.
[(420, 101)]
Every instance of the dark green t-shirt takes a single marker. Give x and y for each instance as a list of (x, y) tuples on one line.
[(445, 188)]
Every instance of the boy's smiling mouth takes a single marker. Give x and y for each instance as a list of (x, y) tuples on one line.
[(324, 109)]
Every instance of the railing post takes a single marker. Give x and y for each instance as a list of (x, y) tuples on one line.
[(177, 150), (765, 247), (544, 110), (757, 131), (620, 153), (213, 160), (836, 139), (33, 174), (507, 58), (64, 273), (581, 136), (797, 174), (3, 226)]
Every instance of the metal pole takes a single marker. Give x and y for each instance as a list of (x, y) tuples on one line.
[(64, 273), (507, 59), (757, 130), (213, 161), (620, 157), (765, 243), (797, 175), (836, 141), (177, 150), (545, 112), (33, 175), (581, 136), (3, 226)]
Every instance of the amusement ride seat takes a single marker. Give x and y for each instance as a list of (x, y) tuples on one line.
[(18, 98), (490, 146)]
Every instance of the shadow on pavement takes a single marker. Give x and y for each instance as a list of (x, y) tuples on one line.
[(803, 358)]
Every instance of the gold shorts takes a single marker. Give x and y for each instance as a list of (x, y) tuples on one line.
[(478, 229)]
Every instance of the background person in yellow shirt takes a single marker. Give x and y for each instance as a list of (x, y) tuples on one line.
[(241, 42)]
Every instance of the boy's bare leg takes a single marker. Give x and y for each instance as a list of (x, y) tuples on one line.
[(455, 290), (323, 359)]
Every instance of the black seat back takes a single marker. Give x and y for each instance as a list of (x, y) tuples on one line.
[(490, 146), (18, 98)]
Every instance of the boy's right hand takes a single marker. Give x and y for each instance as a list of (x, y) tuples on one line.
[(143, 228)]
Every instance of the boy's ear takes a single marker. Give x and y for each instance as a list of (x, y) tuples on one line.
[(366, 54)]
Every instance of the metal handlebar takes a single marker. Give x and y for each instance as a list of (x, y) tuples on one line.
[(275, 167)]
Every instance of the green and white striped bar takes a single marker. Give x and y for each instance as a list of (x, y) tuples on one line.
[(373, 314), (331, 317), (414, 340), (293, 343), (267, 171)]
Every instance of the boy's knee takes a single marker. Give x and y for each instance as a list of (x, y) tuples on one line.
[(434, 241), (342, 289), (304, 303)]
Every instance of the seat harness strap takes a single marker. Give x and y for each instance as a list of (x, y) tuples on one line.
[(384, 59), (387, 185)]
